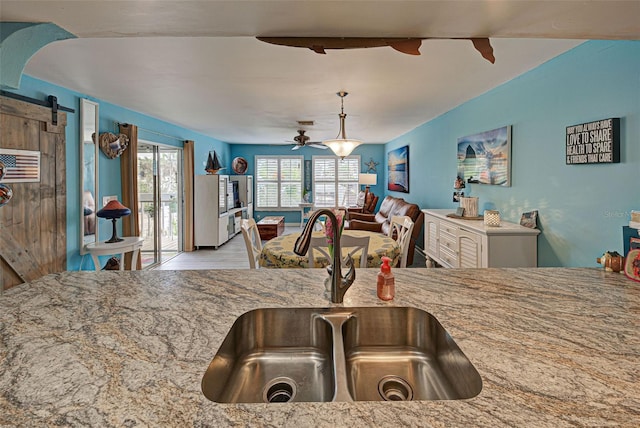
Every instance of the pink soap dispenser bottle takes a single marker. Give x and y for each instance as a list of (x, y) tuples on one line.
[(386, 281)]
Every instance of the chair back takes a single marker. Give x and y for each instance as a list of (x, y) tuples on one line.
[(252, 241), (318, 244), (400, 229), (356, 245)]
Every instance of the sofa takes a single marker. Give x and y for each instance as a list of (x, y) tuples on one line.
[(380, 221)]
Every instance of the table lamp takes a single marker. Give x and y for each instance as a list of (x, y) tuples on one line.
[(367, 180), (113, 210)]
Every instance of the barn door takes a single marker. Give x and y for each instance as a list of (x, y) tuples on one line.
[(33, 227)]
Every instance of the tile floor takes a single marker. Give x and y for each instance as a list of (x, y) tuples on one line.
[(231, 255)]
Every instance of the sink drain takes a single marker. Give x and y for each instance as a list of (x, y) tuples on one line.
[(394, 388), (279, 390)]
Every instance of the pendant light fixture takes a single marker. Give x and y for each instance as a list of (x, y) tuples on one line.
[(341, 145)]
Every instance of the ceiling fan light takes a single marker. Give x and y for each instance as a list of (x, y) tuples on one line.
[(342, 148)]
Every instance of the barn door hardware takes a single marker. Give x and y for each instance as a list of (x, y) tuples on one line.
[(51, 102)]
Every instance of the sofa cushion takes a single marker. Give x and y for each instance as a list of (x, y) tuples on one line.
[(385, 208)]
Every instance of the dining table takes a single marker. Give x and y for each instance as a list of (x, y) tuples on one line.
[(278, 252)]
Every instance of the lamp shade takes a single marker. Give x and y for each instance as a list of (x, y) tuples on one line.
[(342, 147), (368, 179), (113, 209)]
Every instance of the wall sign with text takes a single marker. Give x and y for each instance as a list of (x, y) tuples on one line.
[(594, 142)]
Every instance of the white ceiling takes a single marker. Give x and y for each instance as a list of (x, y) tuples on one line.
[(197, 63)]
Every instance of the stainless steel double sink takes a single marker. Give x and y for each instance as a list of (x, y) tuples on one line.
[(339, 354)]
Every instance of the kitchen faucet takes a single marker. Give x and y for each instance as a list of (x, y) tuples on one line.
[(339, 285)]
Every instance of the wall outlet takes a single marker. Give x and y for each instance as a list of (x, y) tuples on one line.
[(106, 199)]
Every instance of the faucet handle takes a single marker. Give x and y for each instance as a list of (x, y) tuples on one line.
[(351, 274)]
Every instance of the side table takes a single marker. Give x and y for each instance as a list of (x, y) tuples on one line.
[(130, 244), (270, 227)]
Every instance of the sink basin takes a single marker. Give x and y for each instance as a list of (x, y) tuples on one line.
[(339, 354), (397, 354), (273, 355)]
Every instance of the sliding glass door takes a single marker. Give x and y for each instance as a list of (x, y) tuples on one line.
[(160, 201)]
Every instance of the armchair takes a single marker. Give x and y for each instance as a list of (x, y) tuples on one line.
[(381, 221)]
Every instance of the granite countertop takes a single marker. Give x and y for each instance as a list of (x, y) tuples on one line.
[(554, 346)]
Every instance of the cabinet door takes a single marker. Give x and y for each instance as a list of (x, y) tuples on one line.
[(250, 190), (205, 211), (33, 225), (469, 249), (431, 236), (223, 229), (222, 195)]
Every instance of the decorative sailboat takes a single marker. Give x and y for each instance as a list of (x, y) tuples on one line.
[(213, 164)]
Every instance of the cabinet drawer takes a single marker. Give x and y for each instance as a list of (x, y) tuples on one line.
[(448, 257), (447, 228), (448, 242)]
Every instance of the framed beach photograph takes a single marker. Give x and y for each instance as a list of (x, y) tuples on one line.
[(398, 170), (486, 157)]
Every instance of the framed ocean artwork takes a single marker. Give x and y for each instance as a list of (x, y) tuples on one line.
[(398, 170), (486, 157)]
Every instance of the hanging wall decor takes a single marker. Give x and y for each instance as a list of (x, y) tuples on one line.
[(239, 165), (5, 194), (308, 180), (371, 165), (486, 157), (20, 166), (113, 145), (594, 142), (398, 170)]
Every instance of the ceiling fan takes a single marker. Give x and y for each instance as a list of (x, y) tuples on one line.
[(302, 140)]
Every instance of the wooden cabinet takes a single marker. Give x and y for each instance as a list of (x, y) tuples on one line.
[(453, 242)]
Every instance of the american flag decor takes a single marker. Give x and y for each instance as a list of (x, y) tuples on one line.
[(21, 166)]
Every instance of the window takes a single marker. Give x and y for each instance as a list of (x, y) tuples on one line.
[(335, 181), (278, 182)]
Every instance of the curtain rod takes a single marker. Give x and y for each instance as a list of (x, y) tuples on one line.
[(117, 125)]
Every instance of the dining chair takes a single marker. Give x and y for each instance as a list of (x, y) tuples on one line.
[(400, 229), (252, 241), (355, 244)]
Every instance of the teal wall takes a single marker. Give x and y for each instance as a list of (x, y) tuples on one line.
[(109, 169), (582, 208), (365, 151)]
